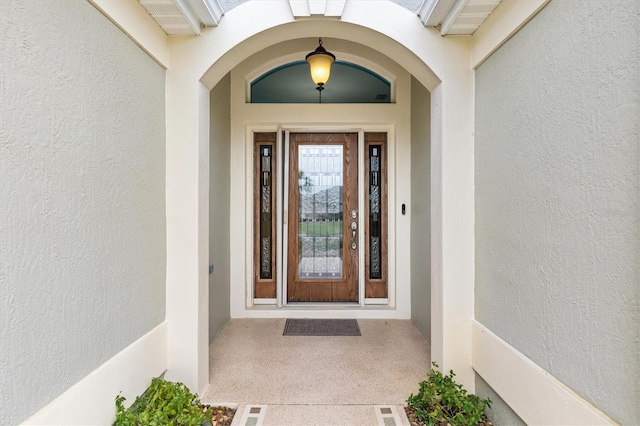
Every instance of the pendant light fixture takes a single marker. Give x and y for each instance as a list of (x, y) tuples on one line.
[(320, 66)]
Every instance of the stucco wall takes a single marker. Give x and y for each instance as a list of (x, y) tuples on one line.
[(219, 303), (82, 196), (421, 208), (557, 199)]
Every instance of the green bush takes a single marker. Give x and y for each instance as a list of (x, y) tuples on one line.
[(164, 403), (443, 401)]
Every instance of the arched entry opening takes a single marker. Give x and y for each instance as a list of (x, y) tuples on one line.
[(188, 139), (391, 296)]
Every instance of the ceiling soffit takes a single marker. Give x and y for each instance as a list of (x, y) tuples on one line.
[(456, 17), (188, 17), (183, 17)]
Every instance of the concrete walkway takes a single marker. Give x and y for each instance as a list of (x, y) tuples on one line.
[(300, 380)]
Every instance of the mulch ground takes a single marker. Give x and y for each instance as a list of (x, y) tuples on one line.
[(222, 416), (415, 422)]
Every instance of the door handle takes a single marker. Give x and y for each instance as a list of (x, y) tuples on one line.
[(354, 243)]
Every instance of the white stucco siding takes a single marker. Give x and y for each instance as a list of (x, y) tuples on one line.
[(82, 205), (557, 201)]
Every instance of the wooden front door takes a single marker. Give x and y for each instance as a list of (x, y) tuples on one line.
[(322, 220)]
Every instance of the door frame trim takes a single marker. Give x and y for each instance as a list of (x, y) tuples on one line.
[(282, 144)]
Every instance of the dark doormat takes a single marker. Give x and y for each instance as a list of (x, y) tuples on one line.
[(321, 327)]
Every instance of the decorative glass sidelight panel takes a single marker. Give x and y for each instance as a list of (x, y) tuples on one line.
[(266, 242), (375, 216), (320, 208)]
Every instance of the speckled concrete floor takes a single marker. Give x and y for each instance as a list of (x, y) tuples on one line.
[(251, 362)]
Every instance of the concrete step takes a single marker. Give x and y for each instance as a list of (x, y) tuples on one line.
[(316, 415)]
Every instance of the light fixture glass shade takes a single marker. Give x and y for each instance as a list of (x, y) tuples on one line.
[(320, 64)]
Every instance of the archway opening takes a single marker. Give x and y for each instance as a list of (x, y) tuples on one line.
[(406, 121), (451, 116)]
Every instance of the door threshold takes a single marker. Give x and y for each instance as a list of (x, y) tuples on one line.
[(331, 305), (369, 304), (321, 311)]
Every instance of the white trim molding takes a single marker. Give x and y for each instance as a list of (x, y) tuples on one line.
[(432, 12), (136, 23), (451, 17), (91, 400), (189, 15), (533, 393)]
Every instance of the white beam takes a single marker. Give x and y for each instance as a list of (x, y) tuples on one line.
[(432, 12), (306, 8), (189, 16), (317, 7), (334, 8), (209, 12), (452, 16), (300, 8)]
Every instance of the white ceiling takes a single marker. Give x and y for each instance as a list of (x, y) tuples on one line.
[(188, 17)]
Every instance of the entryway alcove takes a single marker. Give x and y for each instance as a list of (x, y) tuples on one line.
[(384, 138), (438, 67)]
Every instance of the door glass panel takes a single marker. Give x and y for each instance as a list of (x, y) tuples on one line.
[(264, 214), (375, 216), (265, 211), (320, 230)]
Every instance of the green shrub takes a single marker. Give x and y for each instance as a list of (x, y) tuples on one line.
[(443, 401), (164, 403)]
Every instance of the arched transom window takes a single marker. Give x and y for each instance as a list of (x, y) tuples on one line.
[(349, 83)]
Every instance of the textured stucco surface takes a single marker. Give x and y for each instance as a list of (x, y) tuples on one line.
[(421, 208), (499, 413), (557, 198), (82, 191), (219, 291)]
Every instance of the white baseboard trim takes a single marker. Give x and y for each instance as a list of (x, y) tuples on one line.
[(531, 392), (91, 401)]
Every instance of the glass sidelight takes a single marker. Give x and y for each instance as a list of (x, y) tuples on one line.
[(264, 215), (376, 218), (266, 208)]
